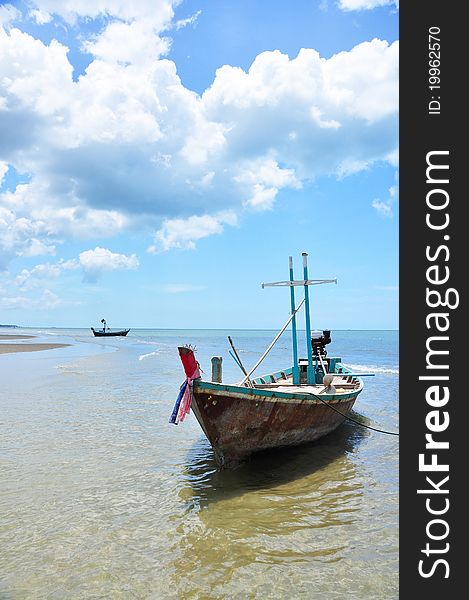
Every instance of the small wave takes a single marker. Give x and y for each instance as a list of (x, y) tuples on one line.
[(69, 369), (374, 369), (143, 356)]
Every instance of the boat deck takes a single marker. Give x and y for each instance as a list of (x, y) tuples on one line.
[(340, 383)]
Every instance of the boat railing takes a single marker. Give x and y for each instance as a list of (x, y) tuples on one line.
[(336, 368), (273, 377)]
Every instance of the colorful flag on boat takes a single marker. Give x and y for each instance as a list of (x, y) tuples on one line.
[(183, 403)]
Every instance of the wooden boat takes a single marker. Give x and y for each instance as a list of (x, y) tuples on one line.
[(239, 420), (109, 333), (106, 332), (291, 407)]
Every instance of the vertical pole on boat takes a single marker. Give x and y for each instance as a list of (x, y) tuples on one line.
[(310, 372), (217, 369), (296, 370)]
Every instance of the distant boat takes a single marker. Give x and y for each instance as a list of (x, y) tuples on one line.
[(107, 332), (293, 406)]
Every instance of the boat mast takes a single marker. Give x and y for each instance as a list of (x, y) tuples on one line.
[(296, 369), (311, 377), (310, 373)]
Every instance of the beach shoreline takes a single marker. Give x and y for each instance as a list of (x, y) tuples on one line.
[(15, 336), (9, 348)]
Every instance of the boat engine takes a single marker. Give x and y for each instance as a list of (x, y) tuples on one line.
[(319, 341)]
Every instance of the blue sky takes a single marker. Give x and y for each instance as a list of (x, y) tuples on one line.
[(160, 159)]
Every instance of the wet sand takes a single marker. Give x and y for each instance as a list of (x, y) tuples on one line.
[(9, 348), (12, 336)]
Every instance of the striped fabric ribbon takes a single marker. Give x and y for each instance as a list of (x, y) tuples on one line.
[(183, 403)]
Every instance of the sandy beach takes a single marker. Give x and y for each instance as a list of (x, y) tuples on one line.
[(12, 336), (8, 348)]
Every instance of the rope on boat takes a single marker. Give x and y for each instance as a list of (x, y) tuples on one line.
[(354, 420)]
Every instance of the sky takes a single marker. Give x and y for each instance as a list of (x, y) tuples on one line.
[(160, 159)]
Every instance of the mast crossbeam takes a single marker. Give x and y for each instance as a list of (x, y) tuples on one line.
[(302, 282)]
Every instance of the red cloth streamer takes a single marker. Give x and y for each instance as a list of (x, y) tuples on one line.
[(188, 362), (191, 368)]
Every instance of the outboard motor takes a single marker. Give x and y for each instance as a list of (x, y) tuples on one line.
[(319, 341)]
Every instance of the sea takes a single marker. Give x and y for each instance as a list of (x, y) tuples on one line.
[(102, 498)]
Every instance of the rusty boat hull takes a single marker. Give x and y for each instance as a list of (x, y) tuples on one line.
[(239, 421), (295, 406)]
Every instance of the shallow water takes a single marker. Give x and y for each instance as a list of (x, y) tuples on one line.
[(100, 497)]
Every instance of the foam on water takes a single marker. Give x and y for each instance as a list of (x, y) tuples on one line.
[(373, 369), (144, 356)]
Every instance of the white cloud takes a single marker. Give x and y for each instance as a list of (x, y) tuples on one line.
[(133, 33), (32, 220), (20, 236), (311, 114), (393, 158), (40, 16), (268, 173), (183, 233), (264, 178), (46, 301), (126, 143), (263, 198), (83, 222), (37, 248), (159, 12), (189, 21), (3, 170), (366, 4), (8, 13), (385, 209), (29, 279), (93, 263), (134, 42), (36, 84), (100, 260)]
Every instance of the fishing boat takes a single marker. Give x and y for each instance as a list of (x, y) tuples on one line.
[(107, 332), (294, 406)]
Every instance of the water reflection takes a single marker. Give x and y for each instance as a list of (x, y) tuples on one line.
[(269, 468), (283, 507)]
